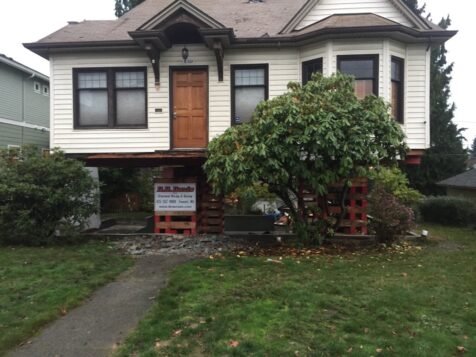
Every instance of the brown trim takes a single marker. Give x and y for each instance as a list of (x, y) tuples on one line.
[(171, 100), (399, 32), (111, 95), (317, 61), (234, 67), (401, 89), (374, 57)]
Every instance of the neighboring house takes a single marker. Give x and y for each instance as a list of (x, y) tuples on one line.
[(462, 185), (24, 105)]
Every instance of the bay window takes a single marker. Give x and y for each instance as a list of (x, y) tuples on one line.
[(397, 89), (364, 69)]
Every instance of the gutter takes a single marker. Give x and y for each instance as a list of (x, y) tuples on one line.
[(394, 31), (23, 68), (24, 124)]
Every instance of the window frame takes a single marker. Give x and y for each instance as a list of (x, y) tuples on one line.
[(373, 57), (235, 67), (401, 90), (45, 90), (319, 61), (111, 97), (37, 84)]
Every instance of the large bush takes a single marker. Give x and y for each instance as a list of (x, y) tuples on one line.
[(450, 211), (41, 194), (308, 138), (391, 219), (394, 181)]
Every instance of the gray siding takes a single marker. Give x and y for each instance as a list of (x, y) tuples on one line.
[(37, 105), (10, 135), (17, 135), (10, 93)]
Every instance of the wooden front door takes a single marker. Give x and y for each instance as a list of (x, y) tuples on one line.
[(189, 108)]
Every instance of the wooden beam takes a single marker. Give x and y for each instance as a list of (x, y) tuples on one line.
[(154, 56), (219, 55)]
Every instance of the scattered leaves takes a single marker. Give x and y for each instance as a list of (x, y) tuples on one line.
[(233, 343)]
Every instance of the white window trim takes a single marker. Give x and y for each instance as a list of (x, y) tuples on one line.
[(36, 83)]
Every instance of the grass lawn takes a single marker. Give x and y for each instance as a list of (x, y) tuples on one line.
[(421, 302), (37, 285)]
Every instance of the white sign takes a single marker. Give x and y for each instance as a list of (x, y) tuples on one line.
[(175, 197)]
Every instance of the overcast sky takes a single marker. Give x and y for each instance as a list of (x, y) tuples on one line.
[(29, 20)]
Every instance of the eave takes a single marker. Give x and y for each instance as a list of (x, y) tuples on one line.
[(396, 32)]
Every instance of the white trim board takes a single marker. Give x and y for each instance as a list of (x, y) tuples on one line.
[(24, 124)]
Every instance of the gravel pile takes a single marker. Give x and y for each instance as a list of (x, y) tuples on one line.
[(200, 246)]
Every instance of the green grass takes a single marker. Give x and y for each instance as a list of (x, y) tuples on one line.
[(37, 285), (420, 302)]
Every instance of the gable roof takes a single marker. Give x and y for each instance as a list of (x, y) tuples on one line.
[(250, 21), (21, 67), (465, 180)]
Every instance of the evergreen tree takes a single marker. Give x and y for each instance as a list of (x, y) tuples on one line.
[(413, 5), (123, 6), (446, 157), (473, 148)]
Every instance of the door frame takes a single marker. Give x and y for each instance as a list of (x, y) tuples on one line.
[(173, 69)]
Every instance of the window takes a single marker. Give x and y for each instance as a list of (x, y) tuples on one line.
[(46, 90), (365, 71), (110, 98), (36, 87), (309, 68), (397, 88), (249, 86)]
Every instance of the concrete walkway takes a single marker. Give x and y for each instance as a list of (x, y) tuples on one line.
[(113, 311)]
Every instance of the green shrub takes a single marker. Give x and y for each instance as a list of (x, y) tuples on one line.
[(391, 219), (394, 181), (40, 195), (451, 211)]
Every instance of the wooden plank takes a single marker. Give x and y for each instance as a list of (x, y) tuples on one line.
[(174, 213), (175, 225)]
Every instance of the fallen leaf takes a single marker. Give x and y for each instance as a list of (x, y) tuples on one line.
[(461, 349), (233, 343), (349, 350), (366, 330), (404, 275), (177, 333), (378, 350)]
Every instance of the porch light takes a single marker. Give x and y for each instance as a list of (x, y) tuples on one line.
[(185, 54)]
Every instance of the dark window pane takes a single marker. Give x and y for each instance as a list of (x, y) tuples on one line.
[(249, 77), (246, 100), (92, 80), (130, 79), (309, 68), (363, 87), (131, 107), (93, 108), (359, 68), (395, 99), (397, 70)]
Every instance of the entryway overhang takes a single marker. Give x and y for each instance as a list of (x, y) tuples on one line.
[(182, 23)]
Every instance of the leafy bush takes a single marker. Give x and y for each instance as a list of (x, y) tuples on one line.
[(39, 195), (451, 211), (396, 182), (391, 218)]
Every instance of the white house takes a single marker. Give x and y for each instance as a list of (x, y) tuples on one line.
[(174, 74), (156, 85)]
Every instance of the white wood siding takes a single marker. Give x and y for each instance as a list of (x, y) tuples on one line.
[(284, 66), (325, 8)]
